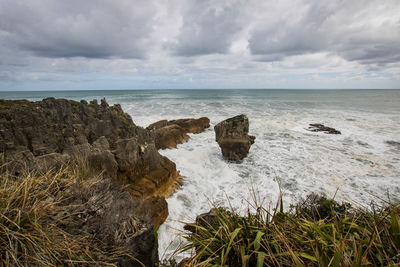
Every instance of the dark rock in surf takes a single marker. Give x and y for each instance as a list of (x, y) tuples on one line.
[(232, 137), (317, 127)]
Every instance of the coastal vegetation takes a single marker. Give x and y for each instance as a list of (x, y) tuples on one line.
[(42, 219), (316, 232)]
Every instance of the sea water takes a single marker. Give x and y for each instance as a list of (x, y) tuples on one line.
[(361, 165)]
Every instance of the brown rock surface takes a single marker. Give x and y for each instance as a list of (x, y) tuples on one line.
[(232, 137), (168, 134), (47, 134), (110, 214), (192, 125)]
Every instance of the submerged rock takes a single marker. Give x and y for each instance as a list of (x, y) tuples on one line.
[(168, 134), (317, 127), (232, 137)]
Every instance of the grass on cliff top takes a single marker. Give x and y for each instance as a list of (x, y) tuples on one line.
[(317, 232), (34, 215)]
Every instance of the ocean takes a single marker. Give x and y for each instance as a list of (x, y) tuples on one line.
[(362, 165)]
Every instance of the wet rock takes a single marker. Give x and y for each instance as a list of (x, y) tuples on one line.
[(168, 134), (317, 127), (205, 220), (232, 137), (395, 144)]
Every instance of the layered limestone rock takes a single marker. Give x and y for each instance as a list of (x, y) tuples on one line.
[(110, 215), (192, 125), (168, 134), (46, 134), (232, 137)]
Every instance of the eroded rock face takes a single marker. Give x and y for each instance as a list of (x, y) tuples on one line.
[(232, 137), (168, 134), (47, 134), (110, 214), (193, 125)]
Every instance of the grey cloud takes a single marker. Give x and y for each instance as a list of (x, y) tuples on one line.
[(208, 27), (342, 28), (92, 29)]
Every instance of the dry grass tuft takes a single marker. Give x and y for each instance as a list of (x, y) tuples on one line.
[(35, 215)]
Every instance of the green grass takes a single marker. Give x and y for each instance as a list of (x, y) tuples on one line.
[(317, 232)]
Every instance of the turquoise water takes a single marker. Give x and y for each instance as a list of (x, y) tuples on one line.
[(360, 165)]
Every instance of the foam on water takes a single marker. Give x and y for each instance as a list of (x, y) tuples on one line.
[(358, 166)]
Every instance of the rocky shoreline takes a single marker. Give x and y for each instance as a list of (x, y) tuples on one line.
[(45, 136)]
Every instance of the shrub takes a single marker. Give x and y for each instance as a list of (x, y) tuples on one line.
[(317, 232)]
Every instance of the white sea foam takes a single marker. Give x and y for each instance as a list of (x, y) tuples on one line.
[(356, 166)]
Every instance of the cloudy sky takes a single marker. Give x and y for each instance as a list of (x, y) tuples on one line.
[(139, 44)]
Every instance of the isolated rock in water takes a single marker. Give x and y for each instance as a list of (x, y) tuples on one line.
[(46, 134), (393, 143), (168, 134), (232, 136), (317, 127)]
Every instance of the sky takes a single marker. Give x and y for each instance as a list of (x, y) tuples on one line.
[(146, 44)]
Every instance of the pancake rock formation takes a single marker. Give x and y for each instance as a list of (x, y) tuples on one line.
[(49, 134), (168, 134), (232, 137)]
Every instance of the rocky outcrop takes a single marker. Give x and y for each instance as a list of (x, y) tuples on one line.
[(232, 137), (46, 134), (317, 127), (192, 125), (168, 134), (109, 215)]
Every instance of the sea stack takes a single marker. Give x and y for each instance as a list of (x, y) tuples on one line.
[(232, 137)]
